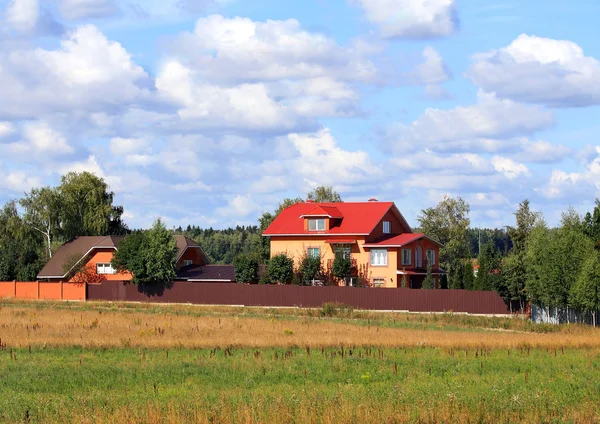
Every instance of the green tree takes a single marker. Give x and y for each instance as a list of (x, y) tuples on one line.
[(489, 267), (281, 269), (342, 266), (448, 223), (246, 268), (428, 282), (324, 194), (591, 224), (310, 268), (149, 255), (43, 213), (87, 206), (585, 293)]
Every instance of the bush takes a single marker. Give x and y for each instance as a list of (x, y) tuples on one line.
[(246, 268), (310, 268), (342, 267), (281, 269)]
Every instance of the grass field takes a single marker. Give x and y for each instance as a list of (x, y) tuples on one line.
[(80, 362)]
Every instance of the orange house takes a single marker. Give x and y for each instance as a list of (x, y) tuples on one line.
[(382, 246), (98, 251)]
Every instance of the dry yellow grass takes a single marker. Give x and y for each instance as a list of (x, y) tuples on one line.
[(23, 325)]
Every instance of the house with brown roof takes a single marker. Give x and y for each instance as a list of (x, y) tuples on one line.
[(383, 248), (96, 252)]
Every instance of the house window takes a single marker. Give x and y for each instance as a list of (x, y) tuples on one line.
[(187, 262), (313, 252), (406, 259), (378, 257), (430, 257), (105, 269), (378, 282), (345, 251), (316, 225), (387, 227)]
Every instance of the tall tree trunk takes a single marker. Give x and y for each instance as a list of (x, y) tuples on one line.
[(49, 244)]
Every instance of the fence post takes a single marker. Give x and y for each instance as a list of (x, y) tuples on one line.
[(62, 297), (38, 289), (15, 288)]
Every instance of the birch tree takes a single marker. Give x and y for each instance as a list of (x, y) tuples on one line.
[(42, 213)]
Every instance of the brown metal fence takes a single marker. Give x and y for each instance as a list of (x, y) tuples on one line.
[(475, 302)]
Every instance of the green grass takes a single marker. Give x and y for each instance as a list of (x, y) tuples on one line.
[(75, 384)]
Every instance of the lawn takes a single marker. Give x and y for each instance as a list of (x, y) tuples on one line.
[(142, 363)]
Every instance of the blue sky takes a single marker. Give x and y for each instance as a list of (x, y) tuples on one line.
[(210, 112)]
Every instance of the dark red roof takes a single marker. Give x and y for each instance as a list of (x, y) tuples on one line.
[(358, 218), (208, 273), (401, 240)]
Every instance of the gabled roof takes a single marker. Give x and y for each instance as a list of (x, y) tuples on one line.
[(328, 211), (85, 244), (80, 246), (358, 218), (215, 273), (400, 240)]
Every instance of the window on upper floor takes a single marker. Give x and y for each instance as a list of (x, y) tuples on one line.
[(187, 262), (378, 257), (316, 225), (387, 227), (430, 257), (406, 256), (313, 252), (105, 268)]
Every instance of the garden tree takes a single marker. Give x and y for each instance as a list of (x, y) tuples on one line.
[(342, 266), (515, 272), (87, 207), (281, 269), (42, 208), (246, 268), (150, 255), (324, 194), (448, 223), (310, 268), (591, 224), (428, 282), (585, 293), (480, 236), (464, 278), (489, 267)]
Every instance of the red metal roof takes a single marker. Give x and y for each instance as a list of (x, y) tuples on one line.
[(401, 240), (358, 218), (329, 211)]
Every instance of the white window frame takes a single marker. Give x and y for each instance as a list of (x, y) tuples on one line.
[(404, 262), (316, 224), (379, 253), (427, 253), (387, 224), (312, 254), (187, 262), (103, 268), (378, 282)]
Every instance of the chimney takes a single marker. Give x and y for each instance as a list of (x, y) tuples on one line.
[(372, 199)]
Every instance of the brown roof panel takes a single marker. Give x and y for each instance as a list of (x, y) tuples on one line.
[(224, 273)]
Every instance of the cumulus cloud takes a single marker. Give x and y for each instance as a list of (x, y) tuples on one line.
[(489, 118), (412, 19), (88, 72), (539, 70), (23, 15), (86, 9), (510, 168), (6, 128)]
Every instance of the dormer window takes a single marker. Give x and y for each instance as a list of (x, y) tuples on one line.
[(316, 225), (387, 227)]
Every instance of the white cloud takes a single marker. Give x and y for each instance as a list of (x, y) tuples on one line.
[(18, 181), (6, 128), (23, 15), (239, 207), (46, 140), (86, 9), (540, 151), (432, 70), (510, 168), (89, 165), (239, 49), (539, 70), (126, 146), (412, 19), (87, 72), (489, 118)]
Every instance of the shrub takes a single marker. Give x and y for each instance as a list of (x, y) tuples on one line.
[(246, 268), (342, 267), (281, 269), (335, 309), (310, 268)]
